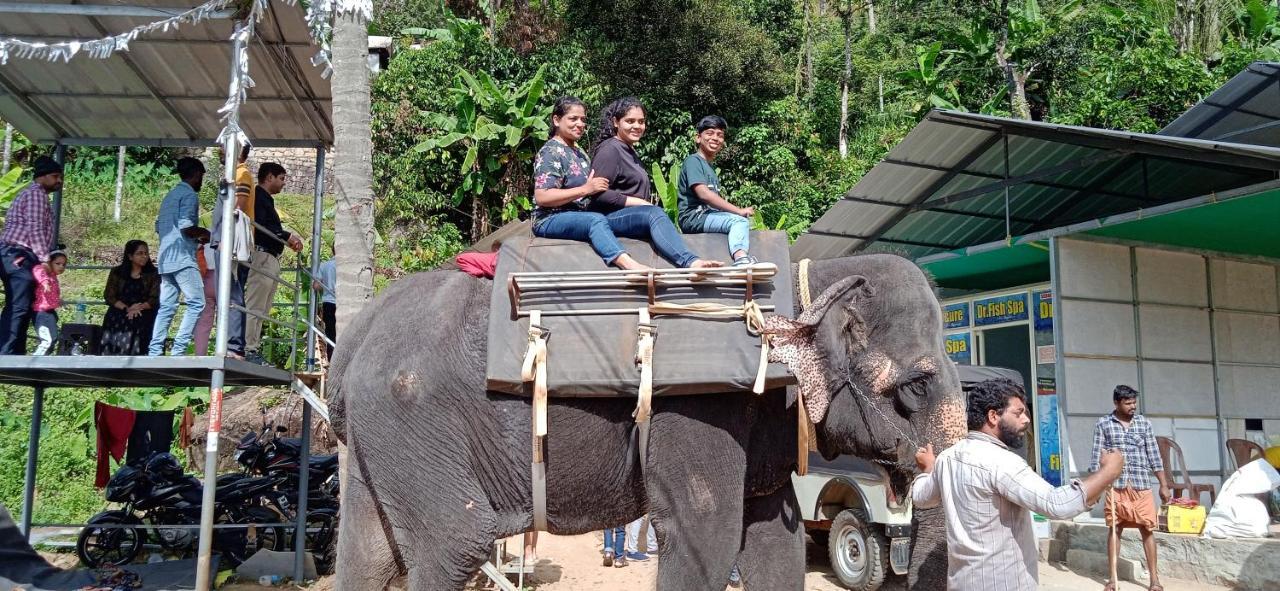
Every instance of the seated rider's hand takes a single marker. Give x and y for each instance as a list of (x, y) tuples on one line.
[(747, 212), (596, 184)]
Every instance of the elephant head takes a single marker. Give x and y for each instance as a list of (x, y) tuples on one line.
[(869, 354)]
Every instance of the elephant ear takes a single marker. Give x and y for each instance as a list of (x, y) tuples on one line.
[(794, 343)]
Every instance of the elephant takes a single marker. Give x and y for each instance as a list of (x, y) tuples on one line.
[(439, 467)]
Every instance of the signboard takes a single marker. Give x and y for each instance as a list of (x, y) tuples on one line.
[(1043, 303), (1050, 441), (956, 315), (1000, 309), (1046, 354), (957, 347)]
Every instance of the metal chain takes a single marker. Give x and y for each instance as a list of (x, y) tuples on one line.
[(854, 387)]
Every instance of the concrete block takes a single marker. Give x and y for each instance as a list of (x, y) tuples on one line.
[(1175, 333), (1085, 561), (1095, 328), (1243, 286), (1052, 550), (1095, 270), (1170, 277)]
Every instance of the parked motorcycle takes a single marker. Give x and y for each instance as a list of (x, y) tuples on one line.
[(159, 493)]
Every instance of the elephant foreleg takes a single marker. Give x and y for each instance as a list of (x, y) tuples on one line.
[(366, 559), (694, 482), (772, 556)]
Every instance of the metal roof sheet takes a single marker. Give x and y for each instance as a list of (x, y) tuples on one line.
[(166, 89), (944, 186), (1245, 110)]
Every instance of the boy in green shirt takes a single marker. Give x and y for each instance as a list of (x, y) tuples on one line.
[(702, 209)]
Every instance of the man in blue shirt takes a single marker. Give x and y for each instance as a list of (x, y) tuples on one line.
[(326, 282), (180, 237)]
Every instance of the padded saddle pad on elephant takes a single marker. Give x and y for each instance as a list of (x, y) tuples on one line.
[(589, 356)]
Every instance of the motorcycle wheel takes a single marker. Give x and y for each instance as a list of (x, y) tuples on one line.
[(237, 545), (322, 536), (98, 547)]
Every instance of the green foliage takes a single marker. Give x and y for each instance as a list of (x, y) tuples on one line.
[(493, 128), (667, 189), (11, 183)]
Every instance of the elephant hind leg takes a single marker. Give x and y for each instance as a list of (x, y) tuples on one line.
[(367, 558), (772, 554)]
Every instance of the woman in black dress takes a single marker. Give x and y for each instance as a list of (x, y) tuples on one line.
[(132, 295)]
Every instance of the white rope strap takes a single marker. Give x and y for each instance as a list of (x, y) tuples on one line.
[(750, 313), (804, 429), (646, 333), (803, 280), (534, 370)]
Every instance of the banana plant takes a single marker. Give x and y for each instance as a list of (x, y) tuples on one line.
[(10, 185), (493, 129), (668, 190)]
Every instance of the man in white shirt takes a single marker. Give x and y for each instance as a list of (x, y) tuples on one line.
[(987, 491)]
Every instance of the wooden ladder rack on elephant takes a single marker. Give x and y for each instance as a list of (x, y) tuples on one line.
[(519, 284)]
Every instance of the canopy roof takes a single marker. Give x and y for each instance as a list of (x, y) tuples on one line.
[(167, 88), (959, 180), (1246, 110)]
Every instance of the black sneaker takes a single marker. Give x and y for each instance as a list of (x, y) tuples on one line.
[(745, 260), (255, 357)]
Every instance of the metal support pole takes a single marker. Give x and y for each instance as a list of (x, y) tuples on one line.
[(226, 195), (304, 472), (33, 453), (8, 148), (317, 213), (59, 156), (119, 182), (304, 485)]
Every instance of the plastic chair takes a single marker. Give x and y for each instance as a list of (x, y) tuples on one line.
[(1169, 451), (1244, 451)]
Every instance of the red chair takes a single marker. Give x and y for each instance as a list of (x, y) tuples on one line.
[(1169, 451)]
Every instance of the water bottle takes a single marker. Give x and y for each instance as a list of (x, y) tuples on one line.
[(270, 580), (80, 313)]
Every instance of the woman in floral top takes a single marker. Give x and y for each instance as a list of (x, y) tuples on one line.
[(565, 188)]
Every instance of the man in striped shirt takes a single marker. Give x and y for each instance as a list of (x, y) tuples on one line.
[(1134, 505), (987, 492), (25, 242)]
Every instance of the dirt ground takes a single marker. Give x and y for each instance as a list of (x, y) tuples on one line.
[(573, 563)]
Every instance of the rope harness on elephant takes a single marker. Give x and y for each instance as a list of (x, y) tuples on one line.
[(534, 370)]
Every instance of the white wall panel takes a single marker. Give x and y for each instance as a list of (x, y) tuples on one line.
[(1168, 277), (1177, 389), (1095, 270), (1097, 328), (1244, 286), (1247, 338), (1175, 333), (1249, 391), (1091, 382)]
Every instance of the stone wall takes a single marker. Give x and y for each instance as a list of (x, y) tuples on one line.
[(299, 163)]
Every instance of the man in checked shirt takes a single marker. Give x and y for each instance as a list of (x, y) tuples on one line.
[(24, 243), (1126, 430)]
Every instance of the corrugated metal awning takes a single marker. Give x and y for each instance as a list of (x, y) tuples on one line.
[(960, 180), (1245, 110), (167, 88)]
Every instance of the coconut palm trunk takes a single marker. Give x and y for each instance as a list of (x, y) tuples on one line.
[(353, 168)]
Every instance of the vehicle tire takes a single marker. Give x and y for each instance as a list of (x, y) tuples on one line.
[(820, 537), (99, 547), (237, 545), (322, 535), (859, 553)]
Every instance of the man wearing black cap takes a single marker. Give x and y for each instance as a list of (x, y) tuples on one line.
[(24, 243)]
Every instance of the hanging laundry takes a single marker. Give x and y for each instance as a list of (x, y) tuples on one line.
[(152, 432), (184, 427), (114, 426)]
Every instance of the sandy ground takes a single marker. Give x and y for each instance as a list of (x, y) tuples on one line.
[(573, 563)]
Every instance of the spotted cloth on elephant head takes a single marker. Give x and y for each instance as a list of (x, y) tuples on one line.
[(794, 343)]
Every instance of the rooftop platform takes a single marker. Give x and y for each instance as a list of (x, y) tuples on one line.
[(127, 372)]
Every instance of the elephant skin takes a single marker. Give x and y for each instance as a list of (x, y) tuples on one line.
[(439, 468)]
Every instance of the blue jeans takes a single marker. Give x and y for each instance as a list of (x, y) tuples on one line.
[(737, 227), (615, 538), (191, 285), (16, 263), (646, 222)]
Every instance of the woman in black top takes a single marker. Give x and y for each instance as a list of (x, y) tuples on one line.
[(576, 202), (133, 296)]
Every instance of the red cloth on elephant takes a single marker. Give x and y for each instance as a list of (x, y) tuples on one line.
[(114, 425), (478, 264)]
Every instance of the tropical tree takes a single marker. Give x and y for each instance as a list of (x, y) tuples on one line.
[(354, 233)]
